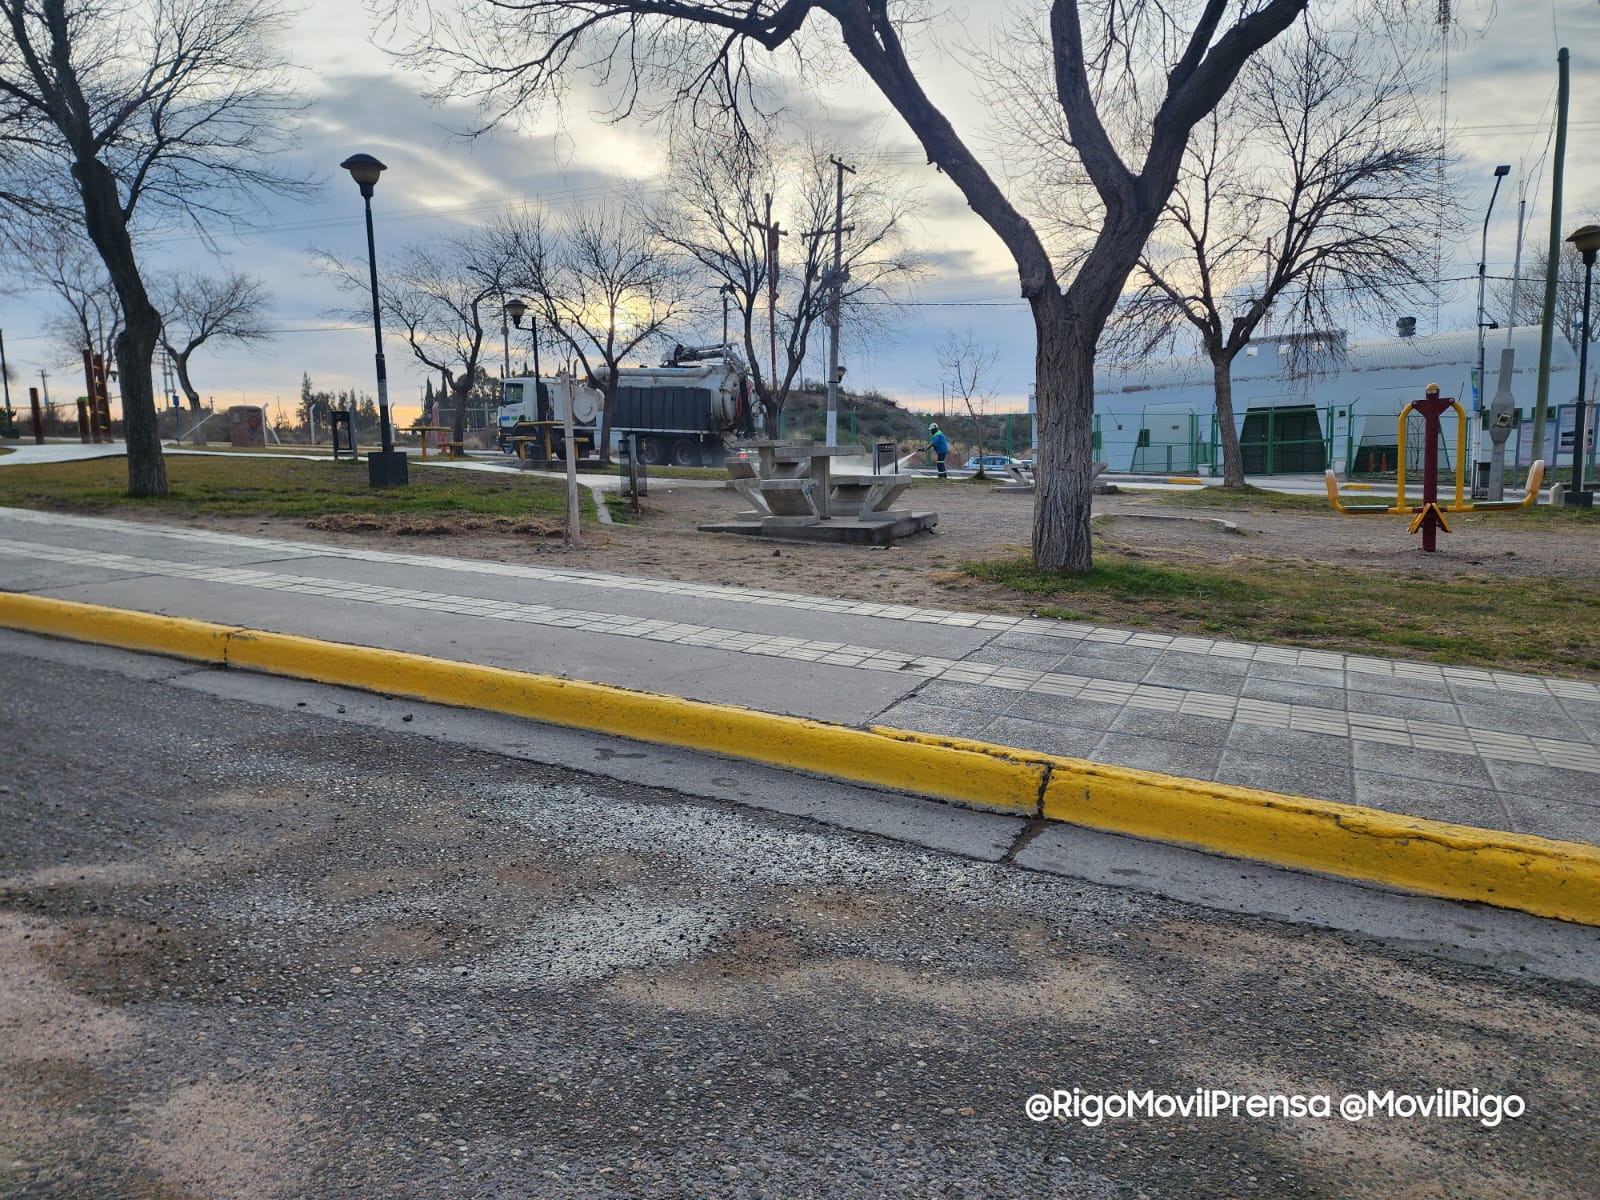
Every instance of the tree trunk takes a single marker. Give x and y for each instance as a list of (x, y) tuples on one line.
[(977, 436), (608, 398), (1064, 475), (141, 329), (136, 345), (462, 387), (1222, 381), (196, 430)]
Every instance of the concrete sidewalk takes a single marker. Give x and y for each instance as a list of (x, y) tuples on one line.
[(1497, 750)]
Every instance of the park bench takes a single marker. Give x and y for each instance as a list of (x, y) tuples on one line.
[(867, 497)]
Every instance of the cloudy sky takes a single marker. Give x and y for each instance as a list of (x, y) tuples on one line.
[(1501, 103)]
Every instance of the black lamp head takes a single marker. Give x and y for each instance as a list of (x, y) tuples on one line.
[(364, 169)]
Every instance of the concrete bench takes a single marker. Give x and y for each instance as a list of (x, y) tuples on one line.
[(1022, 478), (745, 479), (867, 497), (789, 501)]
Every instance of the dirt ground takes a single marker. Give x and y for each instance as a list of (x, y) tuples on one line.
[(975, 522)]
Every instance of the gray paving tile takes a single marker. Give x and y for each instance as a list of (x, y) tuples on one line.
[(1129, 670), (1545, 783), (1289, 743), (1273, 773), (1179, 660), (1157, 754), (1173, 727), (1063, 710), (1546, 719), (1397, 685), (1285, 692), (963, 695), (1556, 819), (1435, 801), (1414, 708), (936, 718), (1144, 655), (1011, 656), (1585, 712), (1462, 770), (1195, 678), (1479, 691), (1290, 673), (1042, 643), (1067, 740)]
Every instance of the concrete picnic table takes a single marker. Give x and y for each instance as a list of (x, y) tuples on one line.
[(786, 459), (794, 492)]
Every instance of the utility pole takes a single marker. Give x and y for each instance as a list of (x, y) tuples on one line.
[(168, 395), (1516, 266), (1541, 405), (1480, 386), (773, 232)]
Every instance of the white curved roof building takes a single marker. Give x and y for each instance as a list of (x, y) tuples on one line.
[(1309, 401)]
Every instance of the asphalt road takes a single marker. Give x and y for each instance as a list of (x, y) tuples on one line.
[(246, 951)]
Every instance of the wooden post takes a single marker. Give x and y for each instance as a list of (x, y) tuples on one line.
[(571, 453), (38, 417), (88, 422), (100, 408)]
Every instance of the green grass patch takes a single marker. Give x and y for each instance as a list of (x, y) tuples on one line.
[(1118, 578), (621, 510), (7, 450), (680, 472), (1471, 620), (243, 486)]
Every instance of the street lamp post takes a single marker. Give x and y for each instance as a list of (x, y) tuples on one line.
[(517, 308), (1500, 173), (385, 467), (505, 337), (1587, 242)]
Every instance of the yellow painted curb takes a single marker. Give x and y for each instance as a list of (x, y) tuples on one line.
[(178, 636), (1457, 862), (1530, 874), (977, 776)]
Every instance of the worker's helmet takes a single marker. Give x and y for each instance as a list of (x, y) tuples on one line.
[(933, 428)]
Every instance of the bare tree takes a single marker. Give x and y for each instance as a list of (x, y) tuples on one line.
[(135, 109), (1180, 59), (197, 309), (605, 284), (968, 369), (1312, 186), (1528, 307), (716, 202), (445, 299), (57, 260)]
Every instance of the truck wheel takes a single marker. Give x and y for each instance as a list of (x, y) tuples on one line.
[(652, 452), (685, 453)]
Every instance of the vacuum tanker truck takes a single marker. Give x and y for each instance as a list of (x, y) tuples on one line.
[(682, 412)]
